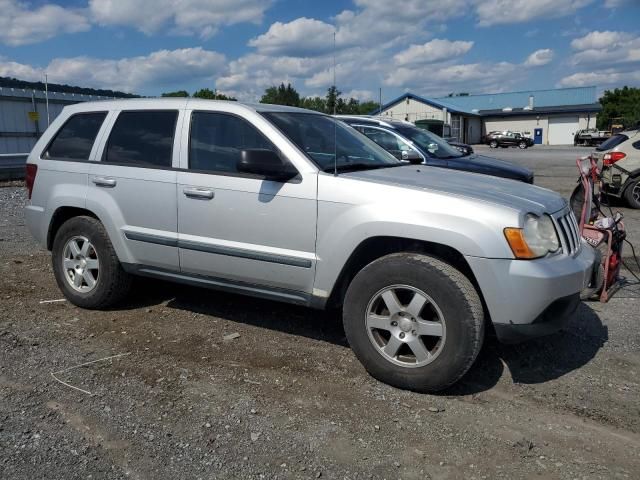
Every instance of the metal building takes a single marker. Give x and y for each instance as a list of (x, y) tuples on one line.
[(24, 115), (551, 117)]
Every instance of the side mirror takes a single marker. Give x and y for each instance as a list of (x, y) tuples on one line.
[(267, 163), (411, 156)]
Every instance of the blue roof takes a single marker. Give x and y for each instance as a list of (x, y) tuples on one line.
[(541, 98)]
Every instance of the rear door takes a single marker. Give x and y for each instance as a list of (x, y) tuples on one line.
[(133, 186), (241, 227)]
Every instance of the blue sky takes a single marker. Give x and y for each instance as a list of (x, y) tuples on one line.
[(241, 47)]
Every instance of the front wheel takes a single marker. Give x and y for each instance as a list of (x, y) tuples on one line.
[(413, 321), (522, 145), (632, 194), (493, 144), (85, 264)]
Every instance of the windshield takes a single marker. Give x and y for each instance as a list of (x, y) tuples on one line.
[(431, 143), (323, 139)]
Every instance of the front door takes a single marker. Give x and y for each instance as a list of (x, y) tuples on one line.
[(134, 187), (236, 226)]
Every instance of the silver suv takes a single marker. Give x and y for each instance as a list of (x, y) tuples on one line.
[(296, 206)]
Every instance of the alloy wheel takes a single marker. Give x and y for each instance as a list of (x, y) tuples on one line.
[(80, 264), (405, 326)]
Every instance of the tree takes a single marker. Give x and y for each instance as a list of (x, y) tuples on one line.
[(332, 99), (178, 93), (621, 103), (365, 108), (281, 95), (318, 104), (209, 94)]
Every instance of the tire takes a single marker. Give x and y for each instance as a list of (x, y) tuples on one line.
[(522, 145), (452, 301), (493, 144), (632, 194), (110, 282)]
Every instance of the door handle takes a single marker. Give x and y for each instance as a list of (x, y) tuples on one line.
[(104, 181), (198, 193)]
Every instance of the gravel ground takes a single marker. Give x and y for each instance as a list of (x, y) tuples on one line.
[(287, 398)]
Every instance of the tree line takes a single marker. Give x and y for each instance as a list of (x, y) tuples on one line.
[(288, 95), (620, 106)]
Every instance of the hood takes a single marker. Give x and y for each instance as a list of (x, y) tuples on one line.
[(474, 186), (492, 166)]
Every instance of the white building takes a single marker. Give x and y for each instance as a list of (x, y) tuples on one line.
[(551, 117)]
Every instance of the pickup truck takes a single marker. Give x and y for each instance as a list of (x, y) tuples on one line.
[(590, 137)]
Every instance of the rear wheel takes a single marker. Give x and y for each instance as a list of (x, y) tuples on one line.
[(632, 194), (85, 265), (413, 321), (493, 144)]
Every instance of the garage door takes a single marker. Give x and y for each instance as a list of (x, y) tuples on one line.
[(562, 129)]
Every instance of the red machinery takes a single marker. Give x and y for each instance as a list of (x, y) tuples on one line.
[(605, 234)]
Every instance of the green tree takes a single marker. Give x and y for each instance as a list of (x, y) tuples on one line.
[(178, 93), (365, 108), (318, 104), (281, 95), (332, 99), (209, 94), (621, 103)]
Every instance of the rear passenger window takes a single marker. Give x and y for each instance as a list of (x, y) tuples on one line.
[(75, 139), (216, 140), (636, 145), (142, 138)]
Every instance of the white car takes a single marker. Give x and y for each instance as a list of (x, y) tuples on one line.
[(620, 160)]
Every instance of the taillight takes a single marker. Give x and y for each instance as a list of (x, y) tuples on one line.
[(613, 157), (30, 177)]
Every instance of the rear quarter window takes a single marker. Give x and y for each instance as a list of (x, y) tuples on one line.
[(75, 138), (612, 142)]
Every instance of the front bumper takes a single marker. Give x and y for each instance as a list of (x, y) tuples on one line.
[(528, 298)]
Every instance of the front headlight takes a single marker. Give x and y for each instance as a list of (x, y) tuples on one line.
[(536, 239)]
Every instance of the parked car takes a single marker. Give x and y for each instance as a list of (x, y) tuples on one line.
[(293, 205), (463, 148), (403, 139), (508, 139), (590, 137), (620, 160)]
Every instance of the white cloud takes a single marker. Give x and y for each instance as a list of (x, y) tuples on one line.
[(601, 78), (599, 40), (300, 37), (539, 58), (432, 51), (441, 79), (160, 68), (494, 12), (22, 23), (200, 17), (606, 49), (607, 58)]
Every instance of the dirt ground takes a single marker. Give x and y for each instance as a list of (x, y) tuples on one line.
[(287, 398)]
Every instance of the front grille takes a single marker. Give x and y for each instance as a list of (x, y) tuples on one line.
[(568, 231)]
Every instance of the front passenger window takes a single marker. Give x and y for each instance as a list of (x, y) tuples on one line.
[(216, 140)]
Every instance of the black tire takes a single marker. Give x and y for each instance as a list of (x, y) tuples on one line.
[(522, 145), (493, 144), (112, 283), (632, 194), (457, 299)]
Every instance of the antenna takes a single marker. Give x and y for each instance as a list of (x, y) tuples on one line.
[(335, 102)]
